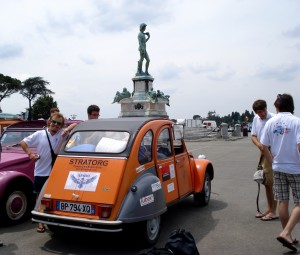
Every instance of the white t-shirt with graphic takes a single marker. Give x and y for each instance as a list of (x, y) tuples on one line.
[(282, 134)]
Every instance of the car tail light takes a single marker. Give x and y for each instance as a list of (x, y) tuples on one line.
[(104, 211), (46, 204)]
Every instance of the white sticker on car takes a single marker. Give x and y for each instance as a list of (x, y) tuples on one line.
[(86, 181), (140, 169), (156, 186), (172, 171), (147, 200), (171, 187)]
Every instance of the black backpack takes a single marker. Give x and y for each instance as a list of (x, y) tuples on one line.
[(180, 242), (155, 251)]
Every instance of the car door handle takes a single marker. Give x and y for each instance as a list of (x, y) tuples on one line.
[(159, 166), (177, 160)]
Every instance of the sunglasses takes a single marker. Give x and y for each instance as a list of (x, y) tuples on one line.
[(55, 122)]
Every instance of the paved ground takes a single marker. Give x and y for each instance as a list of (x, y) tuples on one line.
[(226, 226)]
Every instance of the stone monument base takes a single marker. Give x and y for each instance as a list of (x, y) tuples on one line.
[(140, 105)]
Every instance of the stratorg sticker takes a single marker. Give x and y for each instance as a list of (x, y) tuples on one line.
[(86, 181)]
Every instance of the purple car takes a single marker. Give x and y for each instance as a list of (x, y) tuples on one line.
[(16, 173)]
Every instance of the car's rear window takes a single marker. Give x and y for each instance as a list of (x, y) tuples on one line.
[(98, 141)]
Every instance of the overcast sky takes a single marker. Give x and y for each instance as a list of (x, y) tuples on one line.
[(207, 55)]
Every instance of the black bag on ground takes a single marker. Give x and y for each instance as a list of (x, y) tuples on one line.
[(181, 242), (155, 251)]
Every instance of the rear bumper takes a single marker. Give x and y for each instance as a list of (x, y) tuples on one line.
[(77, 223)]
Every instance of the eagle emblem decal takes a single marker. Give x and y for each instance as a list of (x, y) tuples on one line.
[(86, 181)]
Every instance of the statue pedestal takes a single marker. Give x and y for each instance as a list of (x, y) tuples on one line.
[(140, 105)]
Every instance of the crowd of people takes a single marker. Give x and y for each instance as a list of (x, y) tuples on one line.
[(277, 136)]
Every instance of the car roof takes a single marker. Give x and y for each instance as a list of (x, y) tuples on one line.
[(35, 124), (130, 124)]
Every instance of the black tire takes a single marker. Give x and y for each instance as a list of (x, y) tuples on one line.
[(149, 231), (16, 205), (55, 229), (203, 198), (61, 231)]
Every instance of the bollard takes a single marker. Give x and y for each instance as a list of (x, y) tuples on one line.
[(237, 129), (224, 130)]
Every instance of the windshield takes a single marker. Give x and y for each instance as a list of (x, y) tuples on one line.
[(14, 137), (98, 141)]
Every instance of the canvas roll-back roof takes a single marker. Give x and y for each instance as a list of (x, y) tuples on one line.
[(130, 124)]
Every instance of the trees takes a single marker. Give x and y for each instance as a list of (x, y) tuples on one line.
[(42, 106), (230, 119), (197, 117), (33, 87), (8, 86)]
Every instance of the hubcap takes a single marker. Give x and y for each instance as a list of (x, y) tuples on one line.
[(16, 205), (153, 226), (207, 189)]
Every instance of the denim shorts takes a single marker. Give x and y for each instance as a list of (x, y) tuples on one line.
[(38, 183), (282, 184)]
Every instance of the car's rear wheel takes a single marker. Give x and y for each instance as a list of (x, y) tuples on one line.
[(203, 197), (16, 205), (55, 229), (149, 231)]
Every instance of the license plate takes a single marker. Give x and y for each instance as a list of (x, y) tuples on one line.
[(75, 207)]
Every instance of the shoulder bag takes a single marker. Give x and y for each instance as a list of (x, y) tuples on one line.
[(53, 155), (259, 177)]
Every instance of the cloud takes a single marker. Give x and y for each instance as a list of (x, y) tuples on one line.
[(88, 60), (222, 75), (284, 72), (197, 69), (111, 17), (295, 32), (10, 51), (297, 46), (103, 17), (169, 72), (62, 25)]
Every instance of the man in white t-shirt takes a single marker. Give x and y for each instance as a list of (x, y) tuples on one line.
[(282, 135), (43, 157), (262, 116)]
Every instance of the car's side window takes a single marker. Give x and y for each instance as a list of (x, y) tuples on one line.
[(164, 145), (145, 150)]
